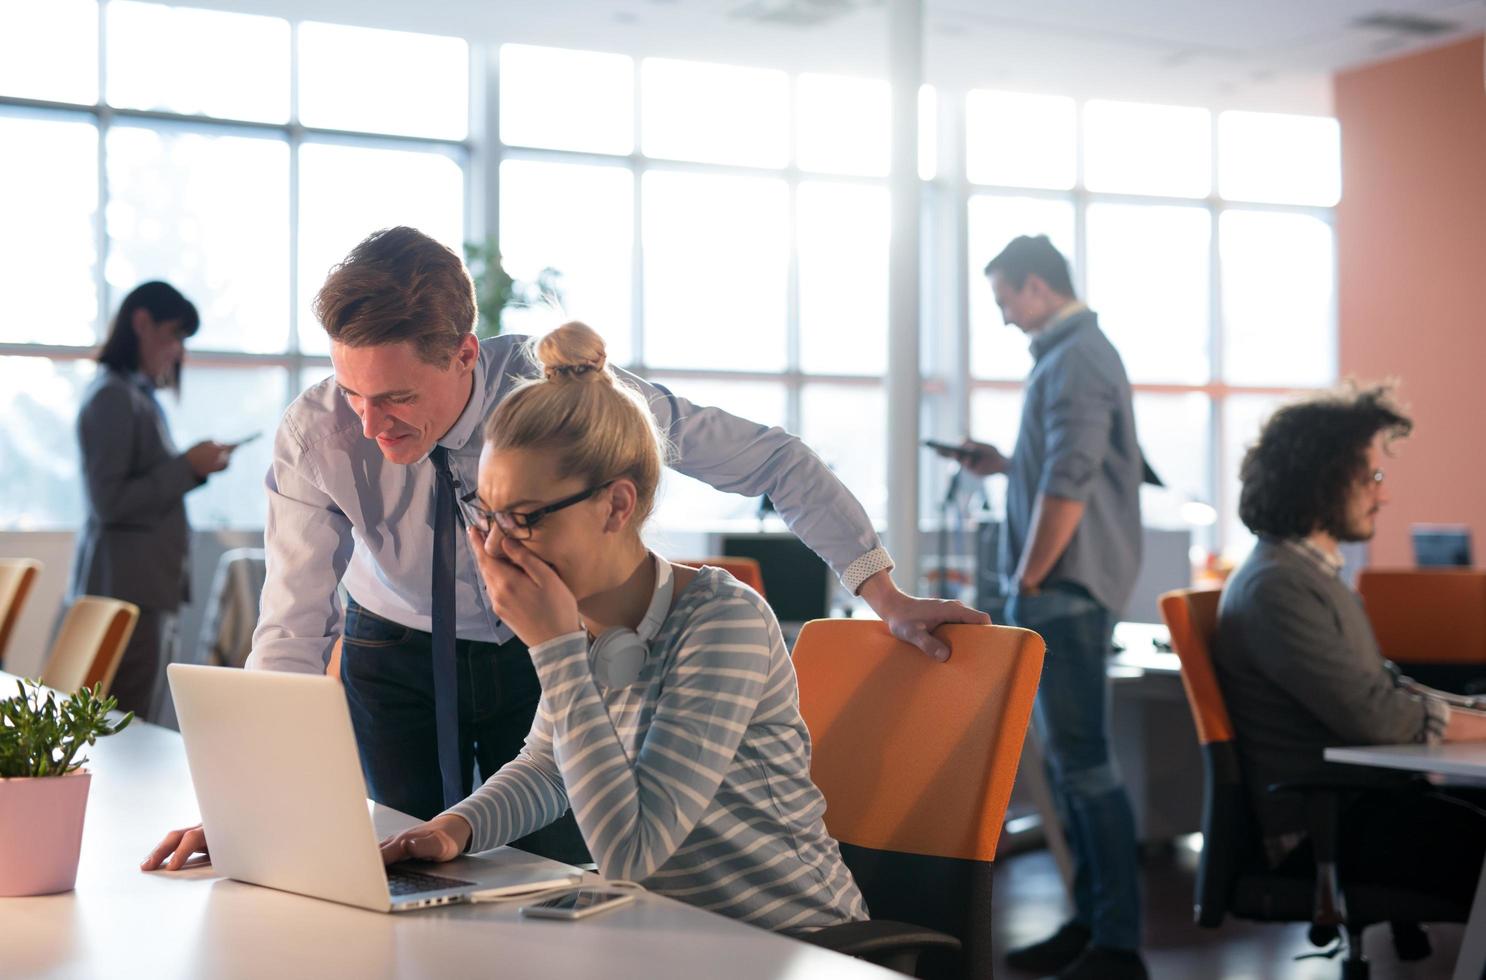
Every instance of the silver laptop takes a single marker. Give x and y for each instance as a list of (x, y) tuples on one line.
[(278, 781)]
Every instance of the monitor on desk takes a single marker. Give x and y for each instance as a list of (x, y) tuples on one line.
[(1441, 545), (797, 581)]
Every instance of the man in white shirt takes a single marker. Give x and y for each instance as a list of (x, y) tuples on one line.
[(369, 470)]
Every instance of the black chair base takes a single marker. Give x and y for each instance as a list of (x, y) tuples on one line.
[(894, 945)]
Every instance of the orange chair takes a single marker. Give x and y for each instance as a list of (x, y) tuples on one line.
[(916, 760), (1232, 875), (1192, 619), (90, 644), (745, 570), (17, 575), (1427, 615)]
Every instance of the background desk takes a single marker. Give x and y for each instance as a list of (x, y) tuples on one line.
[(1454, 759), (1153, 736), (121, 922), (1154, 743)]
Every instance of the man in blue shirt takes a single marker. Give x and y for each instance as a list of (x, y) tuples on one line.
[(368, 468), (1069, 554)]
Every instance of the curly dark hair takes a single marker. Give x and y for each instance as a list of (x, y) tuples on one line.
[(1296, 478)]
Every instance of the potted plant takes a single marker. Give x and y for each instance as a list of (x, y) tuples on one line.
[(43, 787), (496, 291)]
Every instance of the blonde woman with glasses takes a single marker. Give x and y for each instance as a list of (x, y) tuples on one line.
[(669, 718)]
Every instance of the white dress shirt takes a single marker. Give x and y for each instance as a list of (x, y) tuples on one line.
[(339, 511)]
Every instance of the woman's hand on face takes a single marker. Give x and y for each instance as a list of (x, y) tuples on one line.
[(176, 849), (443, 838), (524, 590)]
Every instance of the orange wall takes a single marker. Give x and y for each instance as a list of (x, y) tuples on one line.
[(1411, 267)]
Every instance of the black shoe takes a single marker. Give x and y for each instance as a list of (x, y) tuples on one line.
[(1103, 963), (1053, 953)]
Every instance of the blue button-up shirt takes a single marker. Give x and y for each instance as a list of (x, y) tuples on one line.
[(339, 511), (1077, 441)]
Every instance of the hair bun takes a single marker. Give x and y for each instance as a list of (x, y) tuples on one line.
[(574, 351)]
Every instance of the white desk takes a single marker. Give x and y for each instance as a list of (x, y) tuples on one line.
[(1453, 759), (120, 922)]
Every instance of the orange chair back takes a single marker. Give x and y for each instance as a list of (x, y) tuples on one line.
[(1192, 617), (90, 644), (913, 755), (745, 570), (1427, 615), (17, 575)]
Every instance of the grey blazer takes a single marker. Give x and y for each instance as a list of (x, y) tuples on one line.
[(133, 544)]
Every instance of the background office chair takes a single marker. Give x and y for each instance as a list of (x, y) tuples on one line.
[(89, 645), (916, 760), (17, 575), (227, 629), (1233, 876), (745, 570), (1431, 621)]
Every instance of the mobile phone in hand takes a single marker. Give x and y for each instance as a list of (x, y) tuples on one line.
[(946, 447)]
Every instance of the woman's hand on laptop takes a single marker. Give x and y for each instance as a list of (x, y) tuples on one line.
[(443, 838), (177, 847)]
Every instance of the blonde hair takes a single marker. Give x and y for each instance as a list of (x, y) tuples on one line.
[(598, 425)]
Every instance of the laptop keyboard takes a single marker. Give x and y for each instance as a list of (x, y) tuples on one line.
[(411, 882)]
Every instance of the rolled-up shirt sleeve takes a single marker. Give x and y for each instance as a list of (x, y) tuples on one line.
[(1080, 411), (1437, 721), (307, 542), (738, 456)]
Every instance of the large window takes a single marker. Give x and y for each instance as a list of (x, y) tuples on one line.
[(241, 195), (726, 228), (739, 257), (1204, 244)]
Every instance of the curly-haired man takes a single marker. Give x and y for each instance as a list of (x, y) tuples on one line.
[(1300, 668)]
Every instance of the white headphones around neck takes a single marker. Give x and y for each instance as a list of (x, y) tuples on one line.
[(618, 654)]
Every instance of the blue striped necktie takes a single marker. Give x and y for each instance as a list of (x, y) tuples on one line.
[(445, 677)]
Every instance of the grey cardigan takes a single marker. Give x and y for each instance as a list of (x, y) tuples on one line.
[(133, 543), (1300, 671)]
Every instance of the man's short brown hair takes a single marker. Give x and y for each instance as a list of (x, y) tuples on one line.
[(399, 285)]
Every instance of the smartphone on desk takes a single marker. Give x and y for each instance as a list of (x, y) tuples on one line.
[(579, 903)]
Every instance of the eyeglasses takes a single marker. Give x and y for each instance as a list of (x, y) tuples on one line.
[(518, 524)]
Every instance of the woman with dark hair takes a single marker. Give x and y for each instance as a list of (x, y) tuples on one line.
[(133, 543)]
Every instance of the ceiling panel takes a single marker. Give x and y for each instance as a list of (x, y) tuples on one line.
[(1276, 54)]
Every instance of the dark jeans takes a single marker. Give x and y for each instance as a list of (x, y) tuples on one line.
[(1426, 840), (387, 672), (1072, 718)]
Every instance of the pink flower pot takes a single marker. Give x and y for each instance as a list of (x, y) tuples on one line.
[(41, 832)]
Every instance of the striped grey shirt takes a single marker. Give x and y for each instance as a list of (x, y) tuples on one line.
[(695, 779)]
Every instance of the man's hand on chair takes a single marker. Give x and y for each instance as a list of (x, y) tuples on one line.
[(913, 619)]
